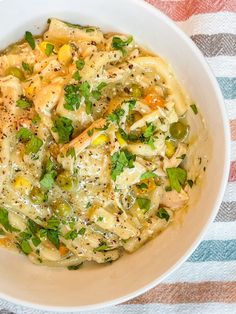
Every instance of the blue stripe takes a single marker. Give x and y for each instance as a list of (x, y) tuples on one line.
[(214, 250), (227, 86)]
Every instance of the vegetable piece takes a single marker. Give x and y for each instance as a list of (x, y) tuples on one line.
[(4, 221), (53, 237), (36, 241), (120, 160), (80, 64), (72, 97), (119, 44), (163, 214), (49, 49), (170, 149), (194, 108), (144, 204), (62, 209), (34, 145), (21, 182), (33, 227), (65, 54), (148, 135), (37, 196), (24, 102), (63, 126), (120, 139), (36, 119), (25, 247), (47, 181), (136, 91), (18, 73), (154, 101), (71, 235), (100, 140), (27, 68), (64, 181), (102, 247), (74, 267), (177, 177), (53, 223), (30, 39), (116, 116), (178, 130), (148, 175)]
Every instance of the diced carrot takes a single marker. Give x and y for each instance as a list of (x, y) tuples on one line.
[(154, 100), (63, 250)]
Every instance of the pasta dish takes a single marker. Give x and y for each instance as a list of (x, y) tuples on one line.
[(94, 146)]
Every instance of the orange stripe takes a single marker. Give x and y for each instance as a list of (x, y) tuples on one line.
[(233, 129), (189, 293), (183, 9)]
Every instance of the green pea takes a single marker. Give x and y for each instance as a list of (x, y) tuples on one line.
[(37, 196), (178, 130), (16, 72), (64, 181), (136, 91), (62, 209)]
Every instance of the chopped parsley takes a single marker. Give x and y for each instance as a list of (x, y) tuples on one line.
[(144, 204), (194, 108), (36, 119), (177, 177), (24, 102), (82, 231), (34, 145), (119, 44), (80, 64), (49, 49), (148, 135), (116, 116), (74, 267), (100, 218), (72, 97), (163, 214), (30, 39), (142, 186), (4, 221), (33, 227), (36, 241), (63, 126), (27, 68), (25, 247), (53, 223), (24, 134), (53, 237), (71, 235), (148, 175), (49, 175), (102, 247), (119, 161), (71, 152)]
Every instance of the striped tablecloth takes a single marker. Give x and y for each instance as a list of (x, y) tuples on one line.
[(206, 283)]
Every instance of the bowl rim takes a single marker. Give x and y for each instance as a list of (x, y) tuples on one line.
[(226, 167)]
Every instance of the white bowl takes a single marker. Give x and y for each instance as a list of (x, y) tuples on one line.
[(95, 287)]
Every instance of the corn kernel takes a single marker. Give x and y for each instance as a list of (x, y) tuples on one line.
[(65, 54), (100, 140), (120, 139), (22, 183), (170, 149)]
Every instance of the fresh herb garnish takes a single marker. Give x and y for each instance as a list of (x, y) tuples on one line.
[(33, 226), (177, 177), (30, 39), (163, 214), (36, 241), (194, 108), (119, 44), (119, 161), (102, 247), (24, 102), (63, 126), (34, 145), (72, 97), (24, 134), (142, 186), (25, 247), (82, 231), (116, 115), (53, 223), (49, 49), (71, 235), (144, 203), (80, 64), (53, 237), (27, 68), (71, 152), (148, 175), (49, 175), (74, 267), (36, 119), (148, 135), (4, 221)]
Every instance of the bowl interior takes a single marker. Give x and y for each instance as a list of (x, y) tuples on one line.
[(132, 274)]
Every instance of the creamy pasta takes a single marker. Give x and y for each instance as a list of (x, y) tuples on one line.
[(94, 145)]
